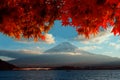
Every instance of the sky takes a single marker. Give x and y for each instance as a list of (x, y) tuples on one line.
[(104, 43)]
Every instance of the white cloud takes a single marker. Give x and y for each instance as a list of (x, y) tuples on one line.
[(101, 37), (118, 41), (86, 48), (108, 52), (32, 51), (5, 58), (49, 38), (115, 45), (112, 54), (38, 47)]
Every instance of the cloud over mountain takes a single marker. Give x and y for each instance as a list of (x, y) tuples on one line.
[(60, 55)]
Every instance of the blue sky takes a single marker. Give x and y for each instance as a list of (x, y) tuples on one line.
[(104, 43)]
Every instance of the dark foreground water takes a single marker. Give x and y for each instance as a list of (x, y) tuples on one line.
[(61, 75)]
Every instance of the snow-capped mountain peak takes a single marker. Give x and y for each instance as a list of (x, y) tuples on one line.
[(63, 47)]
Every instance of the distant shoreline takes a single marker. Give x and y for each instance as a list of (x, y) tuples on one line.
[(67, 68), (28, 69)]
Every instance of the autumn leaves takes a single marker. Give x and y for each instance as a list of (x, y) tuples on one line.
[(32, 19)]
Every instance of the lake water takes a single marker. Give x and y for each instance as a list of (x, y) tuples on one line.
[(61, 75)]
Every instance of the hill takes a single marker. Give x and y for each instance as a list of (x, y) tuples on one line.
[(65, 54), (6, 66)]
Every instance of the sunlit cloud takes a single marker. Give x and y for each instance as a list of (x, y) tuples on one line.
[(110, 53), (86, 48), (118, 41), (74, 53), (37, 47), (36, 50), (101, 37), (49, 38), (115, 45), (5, 58)]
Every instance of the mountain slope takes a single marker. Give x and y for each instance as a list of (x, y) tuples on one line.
[(63, 47), (66, 48), (70, 56), (55, 60), (6, 66)]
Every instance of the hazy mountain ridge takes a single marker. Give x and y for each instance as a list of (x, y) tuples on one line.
[(62, 60), (71, 56)]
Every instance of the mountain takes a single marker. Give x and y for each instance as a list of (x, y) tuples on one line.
[(64, 54), (6, 66), (66, 48), (63, 47), (56, 60)]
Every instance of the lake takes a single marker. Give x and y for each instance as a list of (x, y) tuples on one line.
[(61, 75)]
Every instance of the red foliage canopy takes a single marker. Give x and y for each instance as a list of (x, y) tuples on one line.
[(31, 19)]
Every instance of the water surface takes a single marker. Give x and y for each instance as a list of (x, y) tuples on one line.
[(61, 75)]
